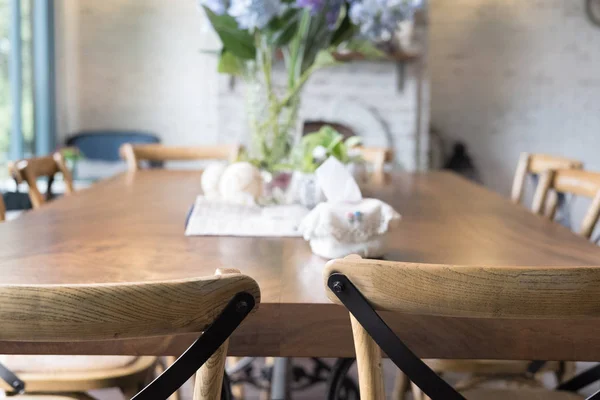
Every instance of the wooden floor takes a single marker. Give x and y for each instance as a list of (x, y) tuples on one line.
[(318, 391)]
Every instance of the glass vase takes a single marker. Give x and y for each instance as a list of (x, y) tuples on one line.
[(273, 122)]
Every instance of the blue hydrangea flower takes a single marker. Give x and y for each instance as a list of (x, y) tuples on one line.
[(255, 14), (379, 19), (219, 7)]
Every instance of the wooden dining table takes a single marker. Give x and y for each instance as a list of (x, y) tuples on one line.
[(131, 229)]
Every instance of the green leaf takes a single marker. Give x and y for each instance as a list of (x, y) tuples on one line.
[(364, 47), (230, 64), (323, 59), (353, 141), (344, 31), (287, 30), (237, 41)]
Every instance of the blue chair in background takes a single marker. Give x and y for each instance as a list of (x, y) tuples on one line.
[(104, 144), (100, 151)]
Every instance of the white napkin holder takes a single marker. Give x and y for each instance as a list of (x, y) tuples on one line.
[(347, 223)]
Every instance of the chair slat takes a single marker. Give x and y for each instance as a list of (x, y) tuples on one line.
[(475, 291)]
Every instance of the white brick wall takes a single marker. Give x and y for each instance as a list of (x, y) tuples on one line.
[(513, 75)]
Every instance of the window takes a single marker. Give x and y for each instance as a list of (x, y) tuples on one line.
[(16, 77), (26, 67)]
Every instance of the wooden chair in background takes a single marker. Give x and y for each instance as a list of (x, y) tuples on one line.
[(2, 209), (213, 305), (479, 371), (157, 153), (377, 157), (29, 170), (576, 182), (537, 164), (366, 286)]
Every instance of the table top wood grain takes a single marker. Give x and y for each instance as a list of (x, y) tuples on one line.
[(130, 228)]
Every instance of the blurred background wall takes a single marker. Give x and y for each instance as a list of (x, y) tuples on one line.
[(513, 75), (131, 64)]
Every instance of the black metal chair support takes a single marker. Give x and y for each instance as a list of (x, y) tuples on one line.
[(13, 380), (200, 351), (582, 380), (416, 370)]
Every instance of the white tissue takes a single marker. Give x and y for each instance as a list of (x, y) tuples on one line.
[(337, 183)]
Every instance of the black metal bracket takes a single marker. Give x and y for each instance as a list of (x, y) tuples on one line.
[(582, 380), (416, 370), (200, 351), (534, 367), (13, 380)]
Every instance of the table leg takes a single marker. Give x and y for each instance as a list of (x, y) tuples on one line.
[(280, 378)]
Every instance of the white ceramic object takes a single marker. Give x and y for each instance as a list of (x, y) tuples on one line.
[(211, 177), (336, 230), (241, 183)]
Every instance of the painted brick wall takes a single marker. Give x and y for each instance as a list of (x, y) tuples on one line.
[(510, 76)]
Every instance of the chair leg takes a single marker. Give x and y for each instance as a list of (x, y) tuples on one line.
[(368, 360), (400, 386), (209, 380)]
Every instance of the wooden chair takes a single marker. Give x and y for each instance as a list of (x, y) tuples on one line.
[(377, 157), (366, 286), (576, 182), (537, 164), (481, 370), (213, 305), (29, 170), (2, 209), (157, 153)]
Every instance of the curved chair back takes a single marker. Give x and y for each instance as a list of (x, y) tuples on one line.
[(575, 182), (156, 153), (29, 170), (367, 286), (537, 164), (377, 157), (105, 144), (214, 305)]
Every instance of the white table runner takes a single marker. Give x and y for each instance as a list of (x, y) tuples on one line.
[(216, 218)]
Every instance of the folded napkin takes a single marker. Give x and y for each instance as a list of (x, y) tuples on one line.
[(347, 223)]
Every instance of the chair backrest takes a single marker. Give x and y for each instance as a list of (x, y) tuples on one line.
[(214, 305), (29, 170), (569, 181), (537, 164), (134, 154), (105, 144), (377, 157), (366, 286)]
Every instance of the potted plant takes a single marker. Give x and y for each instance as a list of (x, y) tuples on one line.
[(310, 152)]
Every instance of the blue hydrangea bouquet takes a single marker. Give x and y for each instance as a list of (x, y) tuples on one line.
[(304, 34)]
